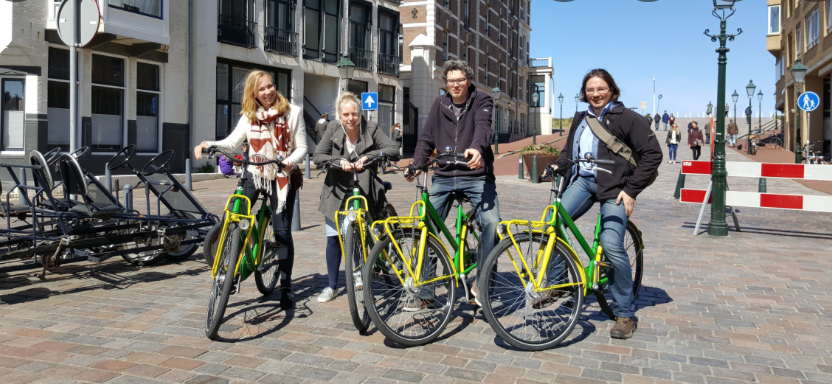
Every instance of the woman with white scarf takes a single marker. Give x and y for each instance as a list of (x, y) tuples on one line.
[(272, 128)]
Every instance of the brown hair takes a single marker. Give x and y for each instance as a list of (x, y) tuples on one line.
[(393, 128), (345, 98), (250, 103), (603, 75)]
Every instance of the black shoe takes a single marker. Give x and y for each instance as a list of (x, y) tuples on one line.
[(286, 301)]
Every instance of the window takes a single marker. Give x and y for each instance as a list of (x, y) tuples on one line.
[(487, 22), (465, 53), (144, 7), (280, 33), (448, 4), (360, 26), (13, 113), (386, 107), (230, 77), (107, 103), (798, 42), (789, 43), (236, 24), (57, 99), (467, 19), (321, 30), (445, 45), (774, 20), (147, 108), (812, 29), (388, 43), (829, 16)]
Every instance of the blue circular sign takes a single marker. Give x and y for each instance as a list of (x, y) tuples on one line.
[(808, 101)]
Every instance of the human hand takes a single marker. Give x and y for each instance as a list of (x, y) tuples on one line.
[(359, 165), (288, 166), (476, 158), (346, 165), (198, 150), (629, 202), (410, 176)]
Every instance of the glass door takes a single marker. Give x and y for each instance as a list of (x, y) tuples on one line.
[(14, 117)]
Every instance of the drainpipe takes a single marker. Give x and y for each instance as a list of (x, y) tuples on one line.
[(190, 77)]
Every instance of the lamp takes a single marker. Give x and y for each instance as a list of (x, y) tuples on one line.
[(750, 88), (710, 108), (496, 93), (735, 96), (536, 98), (345, 68), (799, 71), (724, 4), (560, 98), (760, 96)]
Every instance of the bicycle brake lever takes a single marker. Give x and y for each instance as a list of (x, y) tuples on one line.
[(602, 169)]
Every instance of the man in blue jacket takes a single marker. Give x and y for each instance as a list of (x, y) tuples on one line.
[(461, 120), (665, 119)]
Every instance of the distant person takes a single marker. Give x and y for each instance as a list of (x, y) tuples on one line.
[(321, 126), (695, 141), (665, 119), (649, 118), (672, 119), (398, 136), (708, 132), (726, 109), (672, 142), (657, 119), (732, 131), (690, 125)]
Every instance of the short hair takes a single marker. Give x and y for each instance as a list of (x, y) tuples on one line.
[(604, 75), (324, 115), (345, 98), (457, 65)]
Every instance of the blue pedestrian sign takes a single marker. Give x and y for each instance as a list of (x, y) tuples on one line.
[(808, 101), (369, 101)]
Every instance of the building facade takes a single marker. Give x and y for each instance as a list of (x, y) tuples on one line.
[(542, 88), (802, 29), (491, 35)]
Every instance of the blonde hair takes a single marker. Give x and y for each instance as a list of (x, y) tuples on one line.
[(250, 103), (393, 128), (343, 98)]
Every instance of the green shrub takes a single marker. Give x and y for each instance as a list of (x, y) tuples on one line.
[(207, 168), (539, 150)]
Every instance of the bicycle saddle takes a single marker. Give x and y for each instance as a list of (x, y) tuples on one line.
[(459, 196), (387, 185)]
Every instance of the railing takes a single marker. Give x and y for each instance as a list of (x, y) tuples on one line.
[(540, 63), (388, 64), (236, 31), (281, 41), (363, 58), (466, 23)]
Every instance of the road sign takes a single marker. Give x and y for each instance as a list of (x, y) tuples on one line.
[(808, 101), (89, 20), (369, 101), (643, 105)]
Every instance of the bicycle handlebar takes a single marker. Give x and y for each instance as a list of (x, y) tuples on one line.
[(424, 167), (212, 150), (378, 159)]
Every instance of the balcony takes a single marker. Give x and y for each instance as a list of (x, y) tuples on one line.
[(236, 32), (466, 23), (363, 58), (541, 63), (281, 41), (388, 64)]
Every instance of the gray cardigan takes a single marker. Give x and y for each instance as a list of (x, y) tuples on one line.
[(337, 190)]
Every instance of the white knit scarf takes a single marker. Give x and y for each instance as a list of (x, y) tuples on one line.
[(269, 137)]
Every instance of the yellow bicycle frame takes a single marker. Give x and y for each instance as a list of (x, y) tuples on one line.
[(231, 217)]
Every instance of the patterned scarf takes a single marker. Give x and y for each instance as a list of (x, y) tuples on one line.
[(269, 137)]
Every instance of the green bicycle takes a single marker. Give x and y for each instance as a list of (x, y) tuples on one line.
[(413, 303), (236, 247), (534, 295)]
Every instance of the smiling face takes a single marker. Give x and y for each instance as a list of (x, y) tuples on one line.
[(350, 117), (598, 93), (458, 84), (266, 93)]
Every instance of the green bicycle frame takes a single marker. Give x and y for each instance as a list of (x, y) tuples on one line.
[(251, 252), (436, 225), (565, 223)]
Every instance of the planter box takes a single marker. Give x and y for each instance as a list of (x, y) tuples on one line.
[(542, 162)]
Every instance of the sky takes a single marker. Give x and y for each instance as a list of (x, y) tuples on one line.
[(636, 41)]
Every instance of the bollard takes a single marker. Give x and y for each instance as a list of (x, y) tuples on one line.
[(520, 168), (308, 174), (22, 193), (762, 186), (108, 178), (188, 182), (128, 196), (535, 175), (115, 188), (296, 213), (680, 183)]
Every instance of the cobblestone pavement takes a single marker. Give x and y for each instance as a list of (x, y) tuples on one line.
[(748, 307)]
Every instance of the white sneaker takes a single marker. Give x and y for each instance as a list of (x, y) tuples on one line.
[(327, 295)]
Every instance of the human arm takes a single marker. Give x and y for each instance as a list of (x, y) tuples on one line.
[(298, 134), (323, 153), (228, 144), (643, 141), (483, 133), (426, 144)]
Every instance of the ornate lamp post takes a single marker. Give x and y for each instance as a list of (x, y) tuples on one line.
[(345, 68), (735, 96), (723, 9), (750, 89), (775, 115), (535, 98), (799, 75), (577, 100), (496, 94), (560, 99), (760, 111)]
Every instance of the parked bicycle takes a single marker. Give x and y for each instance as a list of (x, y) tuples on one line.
[(535, 291)]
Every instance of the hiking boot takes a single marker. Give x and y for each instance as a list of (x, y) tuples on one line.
[(286, 301), (624, 328)]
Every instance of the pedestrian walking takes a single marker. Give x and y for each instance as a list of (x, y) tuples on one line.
[(657, 119), (398, 136), (665, 119), (732, 130), (672, 142), (695, 140), (649, 118), (672, 120), (708, 132), (322, 125), (690, 126)]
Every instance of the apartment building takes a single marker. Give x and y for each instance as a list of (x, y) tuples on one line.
[(491, 35), (133, 80), (802, 29)]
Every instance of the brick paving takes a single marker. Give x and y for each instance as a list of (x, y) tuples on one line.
[(750, 307)]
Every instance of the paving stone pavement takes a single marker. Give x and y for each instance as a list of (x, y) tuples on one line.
[(750, 307)]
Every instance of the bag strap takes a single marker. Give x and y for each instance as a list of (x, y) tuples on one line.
[(613, 144)]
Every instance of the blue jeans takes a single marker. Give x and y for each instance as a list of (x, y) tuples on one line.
[(665, 125), (732, 140), (578, 198), (672, 149)]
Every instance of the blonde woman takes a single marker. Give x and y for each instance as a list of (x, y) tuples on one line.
[(272, 128), (674, 137), (350, 141)]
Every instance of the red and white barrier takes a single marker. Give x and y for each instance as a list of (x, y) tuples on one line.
[(763, 200), (769, 170)]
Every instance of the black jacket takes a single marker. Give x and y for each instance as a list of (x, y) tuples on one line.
[(629, 127), (473, 130)]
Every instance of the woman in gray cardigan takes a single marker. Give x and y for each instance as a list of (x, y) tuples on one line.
[(350, 141)]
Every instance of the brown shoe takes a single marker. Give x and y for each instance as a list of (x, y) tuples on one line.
[(624, 328)]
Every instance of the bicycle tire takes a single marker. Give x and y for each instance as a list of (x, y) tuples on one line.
[(143, 258), (471, 246), (221, 285), (533, 331), (775, 142), (185, 251), (386, 299), (209, 244), (635, 250), (352, 252), (266, 275)]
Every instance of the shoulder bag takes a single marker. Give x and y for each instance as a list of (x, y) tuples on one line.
[(615, 145)]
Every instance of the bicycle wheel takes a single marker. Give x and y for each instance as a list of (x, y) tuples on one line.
[(525, 319), (406, 314), (223, 280), (775, 142), (183, 252), (142, 258), (353, 265), (209, 244), (267, 274), (634, 249)]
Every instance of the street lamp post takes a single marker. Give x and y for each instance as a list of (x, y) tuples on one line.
[(760, 111), (577, 100), (735, 96), (345, 68), (560, 99), (535, 98), (723, 9), (496, 94), (799, 75), (750, 89)]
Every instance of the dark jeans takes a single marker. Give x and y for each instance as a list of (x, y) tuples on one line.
[(672, 151), (696, 152), (281, 224)]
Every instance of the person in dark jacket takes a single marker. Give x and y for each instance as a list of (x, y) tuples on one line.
[(732, 130), (616, 191), (322, 125), (657, 119), (665, 119), (695, 141), (351, 141), (461, 120), (649, 119)]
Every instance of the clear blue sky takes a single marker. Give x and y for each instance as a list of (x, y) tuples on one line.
[(636, 40)]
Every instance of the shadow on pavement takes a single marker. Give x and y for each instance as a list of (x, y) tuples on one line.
[(703, 229)]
